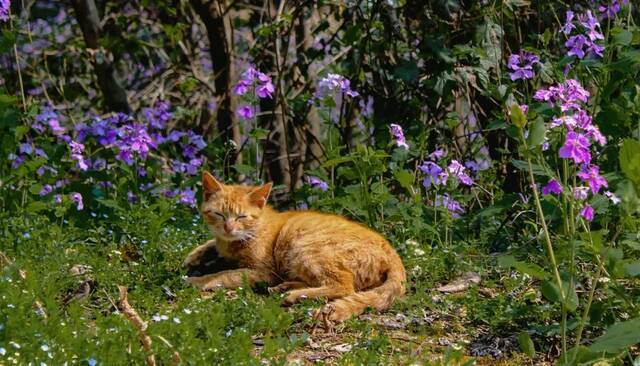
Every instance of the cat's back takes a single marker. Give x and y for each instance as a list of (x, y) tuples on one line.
[(306, 226)]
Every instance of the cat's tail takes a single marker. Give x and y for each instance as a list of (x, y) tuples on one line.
[(379, 298)]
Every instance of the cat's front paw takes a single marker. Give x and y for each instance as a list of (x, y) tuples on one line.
[(195, 256), (204, 284)]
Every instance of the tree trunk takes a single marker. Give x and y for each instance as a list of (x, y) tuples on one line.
[(115, 97), (219, 33)]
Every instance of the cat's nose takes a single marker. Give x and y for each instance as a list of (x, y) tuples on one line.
[(228, 226)]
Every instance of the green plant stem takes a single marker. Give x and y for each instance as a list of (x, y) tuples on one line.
[(547, 236)]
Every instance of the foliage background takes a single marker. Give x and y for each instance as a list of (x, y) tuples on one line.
[(438, 69)]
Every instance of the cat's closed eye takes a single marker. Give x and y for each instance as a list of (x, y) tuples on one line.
[(241, 217)]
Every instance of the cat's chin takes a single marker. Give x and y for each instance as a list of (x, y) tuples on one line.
[(225, 237)]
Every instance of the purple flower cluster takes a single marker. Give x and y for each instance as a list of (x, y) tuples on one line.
[(316, 182), (580, 134), (117, 136), (398, 135), (582, 44), (521, 65), (4, 10), (335, 83), (134, 140), (609, 9), (159, 115), (253, 78), (453, 206), (436, 175), (256, 81)]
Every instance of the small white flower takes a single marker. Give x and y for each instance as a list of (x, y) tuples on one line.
[(11, 306), (418, 252), (614, 199), (14, 345), (187, 311), (156, 318), (176, 320), (3, 351), (164, 317), (411, 242), (44, 347)]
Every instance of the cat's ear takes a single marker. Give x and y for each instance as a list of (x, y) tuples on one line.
[(210, 185), (260, 195)]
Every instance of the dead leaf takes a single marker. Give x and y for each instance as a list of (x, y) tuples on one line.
[(342, 348), (461, 283), (79, 269)]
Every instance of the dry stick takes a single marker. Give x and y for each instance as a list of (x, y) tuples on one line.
[(132, 315), (4, 260)]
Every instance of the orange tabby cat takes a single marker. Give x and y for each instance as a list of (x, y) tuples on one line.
[(309, 254)]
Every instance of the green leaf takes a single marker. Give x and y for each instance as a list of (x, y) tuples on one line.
[(526, 344), (522, 165), (618, 337), (536, 133), (551, 292), (632, 269), (630, 160), (531, 269), (622, 37), (36, 206), (244, 169), (405, 178), (517, 117), (407, 71), (337, 161), (259, 133)]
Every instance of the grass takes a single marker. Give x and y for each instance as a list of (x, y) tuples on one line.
[(59, 295)]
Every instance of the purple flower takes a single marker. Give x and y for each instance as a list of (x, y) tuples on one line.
[(592, 176), (99, 164), (591, 23), (521, 65), (187, 197), (609, 10), (264, 87), (194, 144), (434, 174), (174, 136), (77, 198), (134, 139), (552, 187), (131, 197), (245, 112), (581, 193), (57, 199), (576, 45), (159, 115), (316, 182), (458, 170), (587, 212), (437, 154), (568, 25), (265, 90), (25, 148), (242, 87), (576, 147), (333, 83), (4, 10), (46, 189), (453, 206), (55, 127), (16, 161), (398, 134)]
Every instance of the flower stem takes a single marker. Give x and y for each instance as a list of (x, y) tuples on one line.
[(547, 237)]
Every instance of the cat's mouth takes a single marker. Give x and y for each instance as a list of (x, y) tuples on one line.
[(233, 236)]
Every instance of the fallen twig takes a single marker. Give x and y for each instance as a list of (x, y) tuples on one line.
[(132, 315)]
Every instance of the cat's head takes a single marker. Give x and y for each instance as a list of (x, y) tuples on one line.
[(232, 212)]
